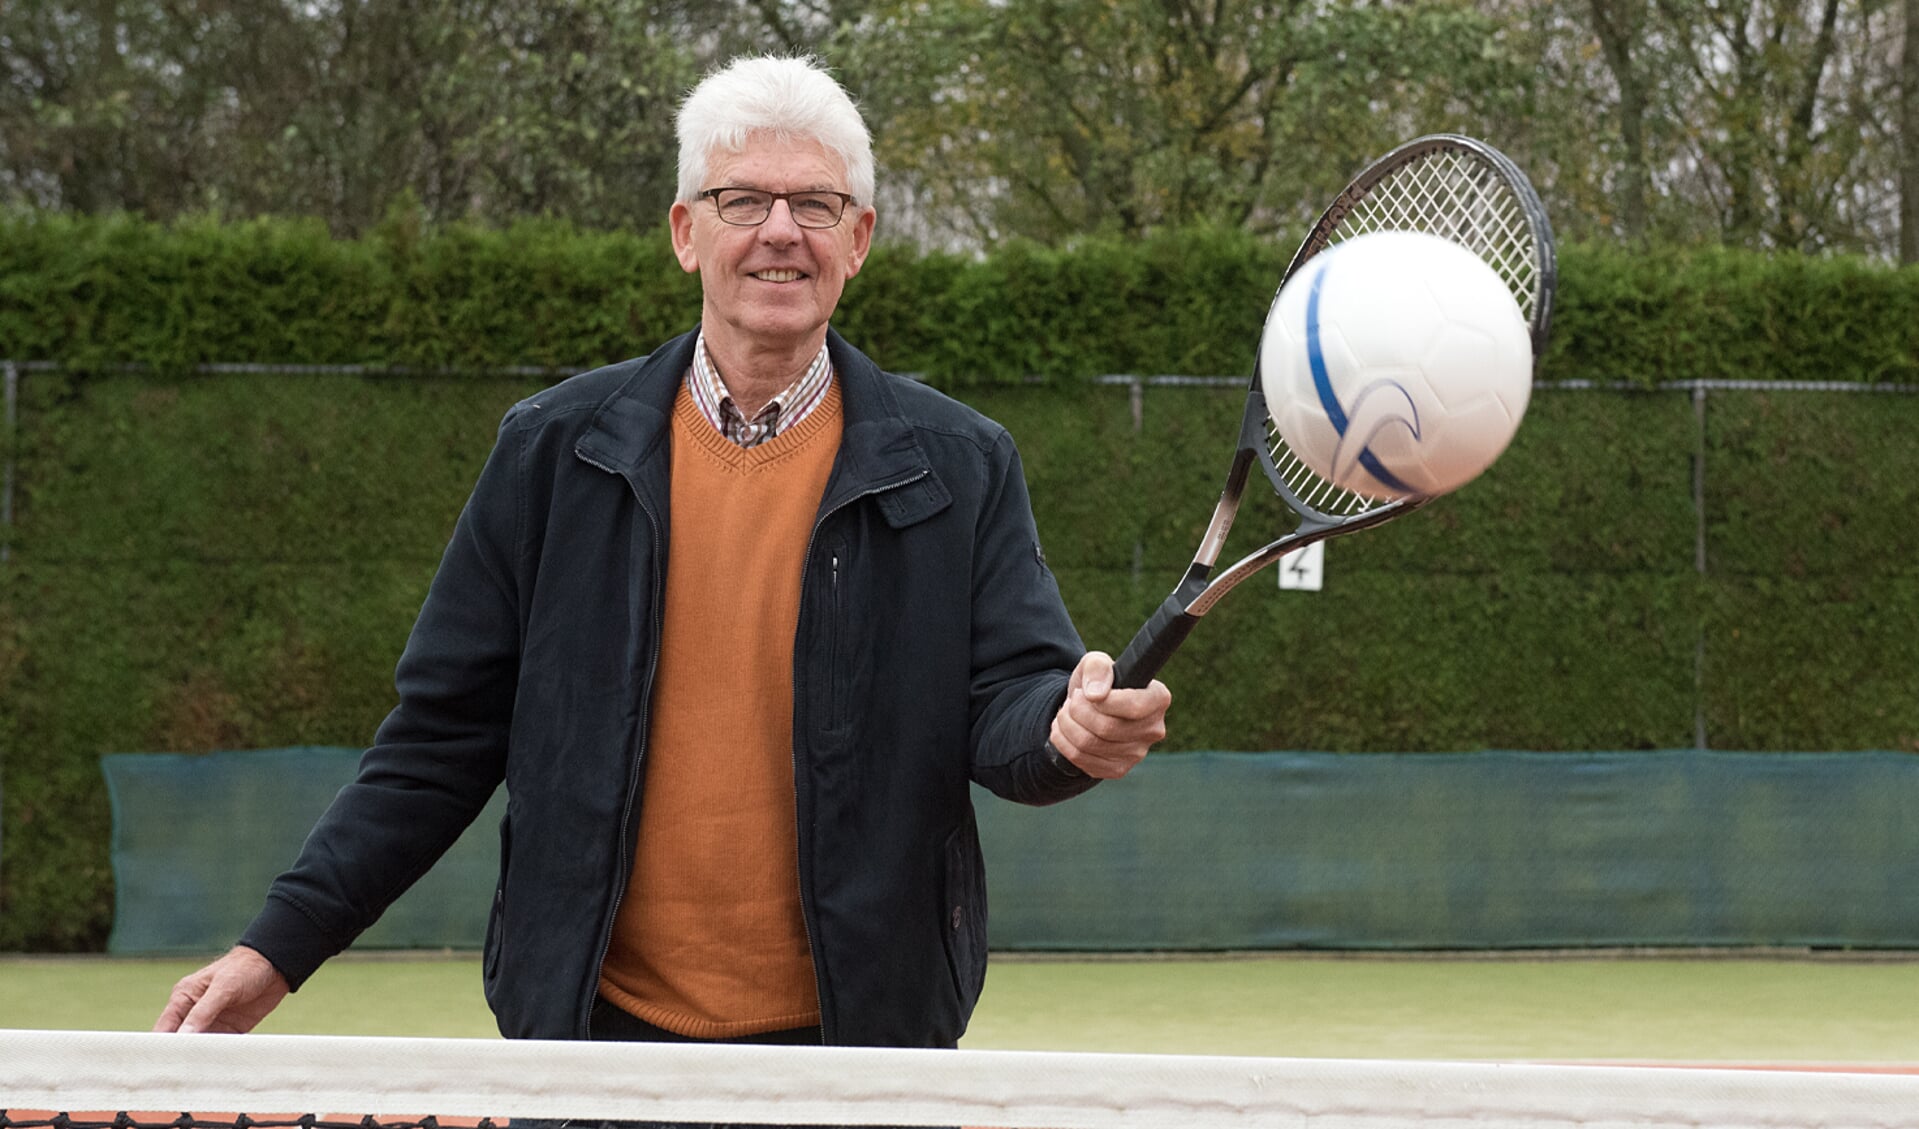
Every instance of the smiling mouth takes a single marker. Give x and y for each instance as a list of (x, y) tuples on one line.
[(778, 275)]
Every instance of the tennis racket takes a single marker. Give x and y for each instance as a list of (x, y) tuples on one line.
[(1444, 184)]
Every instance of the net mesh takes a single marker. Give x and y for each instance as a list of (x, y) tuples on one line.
[(489, 1083)]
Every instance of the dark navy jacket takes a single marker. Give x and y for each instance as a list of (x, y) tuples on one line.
[(932, 649)]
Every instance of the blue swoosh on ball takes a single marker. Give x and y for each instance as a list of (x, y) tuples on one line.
[(1329, 403)]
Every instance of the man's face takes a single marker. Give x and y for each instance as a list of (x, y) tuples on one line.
[(770, 287)]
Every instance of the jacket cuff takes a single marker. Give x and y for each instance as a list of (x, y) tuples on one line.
[(1060, 778), (289, 940), (1047, 776)]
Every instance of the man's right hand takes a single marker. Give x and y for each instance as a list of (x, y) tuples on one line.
[(231, 995)]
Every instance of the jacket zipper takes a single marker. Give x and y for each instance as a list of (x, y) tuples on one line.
[(833, 716), (799, 833), (627, 845)]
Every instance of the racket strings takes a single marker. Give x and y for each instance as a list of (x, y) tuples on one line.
[(1457, 196), (1308, 486)]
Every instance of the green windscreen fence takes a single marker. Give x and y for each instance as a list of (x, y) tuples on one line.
[(198, 838), (1210, 851), (1476, 850)]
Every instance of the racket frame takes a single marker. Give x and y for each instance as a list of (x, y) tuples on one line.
[(1198, 590)]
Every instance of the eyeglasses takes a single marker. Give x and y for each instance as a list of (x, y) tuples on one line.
[(749, 207)]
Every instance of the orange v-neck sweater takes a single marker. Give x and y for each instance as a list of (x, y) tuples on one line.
[(709, 941)]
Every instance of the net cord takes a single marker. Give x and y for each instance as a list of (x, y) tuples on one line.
[(864, 1086)]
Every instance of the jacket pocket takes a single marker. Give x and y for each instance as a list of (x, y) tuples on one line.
[(963, 913), (495, 924)]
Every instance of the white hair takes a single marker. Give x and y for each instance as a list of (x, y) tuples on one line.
[(787, 97)]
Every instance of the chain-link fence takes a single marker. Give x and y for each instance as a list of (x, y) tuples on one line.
[(1724, 496), (230, 558)]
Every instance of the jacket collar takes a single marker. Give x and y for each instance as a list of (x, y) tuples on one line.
[(880, 454)]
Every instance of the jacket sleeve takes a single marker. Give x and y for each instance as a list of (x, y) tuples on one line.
[(1024, 646), (438, 756)]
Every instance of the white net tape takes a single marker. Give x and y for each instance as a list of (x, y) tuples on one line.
[(848, 1086)]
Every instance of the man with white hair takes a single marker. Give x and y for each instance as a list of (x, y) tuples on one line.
[(736, 623)]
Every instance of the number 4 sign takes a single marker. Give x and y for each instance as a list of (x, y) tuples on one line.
[(1304, 569)]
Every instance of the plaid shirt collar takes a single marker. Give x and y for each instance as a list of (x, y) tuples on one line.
[(785, 410)]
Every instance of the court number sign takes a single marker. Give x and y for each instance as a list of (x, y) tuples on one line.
[(1304, 569)]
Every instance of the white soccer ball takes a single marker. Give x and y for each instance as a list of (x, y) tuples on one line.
[(1396, 363)]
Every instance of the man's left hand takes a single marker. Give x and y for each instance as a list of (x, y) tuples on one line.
[(1104, 731)]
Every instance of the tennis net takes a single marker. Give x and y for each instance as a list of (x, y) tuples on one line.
[(49, 1080)]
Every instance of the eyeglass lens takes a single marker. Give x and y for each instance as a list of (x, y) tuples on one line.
[(747, 206)]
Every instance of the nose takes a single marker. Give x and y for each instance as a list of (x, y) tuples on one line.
[(779, 226)]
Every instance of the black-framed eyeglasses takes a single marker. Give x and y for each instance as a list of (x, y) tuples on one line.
[(749, 207)]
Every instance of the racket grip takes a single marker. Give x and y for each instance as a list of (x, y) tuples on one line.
[(1154, 644)]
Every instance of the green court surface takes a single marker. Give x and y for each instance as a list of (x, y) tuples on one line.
[(1750, 1009)]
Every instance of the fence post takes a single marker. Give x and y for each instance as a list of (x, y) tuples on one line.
[(1136, 396), (8, 438), (1699, 563)]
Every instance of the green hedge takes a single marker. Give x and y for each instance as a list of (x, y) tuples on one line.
[(233, 561), (96, 292)]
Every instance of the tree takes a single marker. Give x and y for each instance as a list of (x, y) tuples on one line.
[(1769, 123), (560, 109), (1620, 27), (1775, 136), (1909, 135), (100, 106), (336, 108), (1761, 124), (1054, 117)]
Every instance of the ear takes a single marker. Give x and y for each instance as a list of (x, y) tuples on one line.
[(862, 240), (680, 219)]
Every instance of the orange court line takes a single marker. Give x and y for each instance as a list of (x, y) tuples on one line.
[(1802, 1067), (169, 1117)]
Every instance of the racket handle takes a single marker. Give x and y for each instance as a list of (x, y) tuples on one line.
[(1154, 644)]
